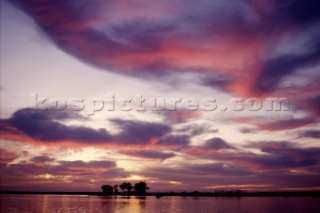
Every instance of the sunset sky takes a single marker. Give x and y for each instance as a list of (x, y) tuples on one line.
[(104, 50)]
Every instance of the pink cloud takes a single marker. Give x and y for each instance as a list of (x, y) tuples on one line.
[(181, 37)]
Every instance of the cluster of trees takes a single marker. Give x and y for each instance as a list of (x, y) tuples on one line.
[(126, 187)]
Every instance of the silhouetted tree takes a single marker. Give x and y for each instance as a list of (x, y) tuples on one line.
[(107, 189), (126, 186), (141, 187), (115, 187)]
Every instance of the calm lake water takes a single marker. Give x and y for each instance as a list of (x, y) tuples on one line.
[(119, 204)]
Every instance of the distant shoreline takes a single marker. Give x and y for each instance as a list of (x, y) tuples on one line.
[(182, 194)]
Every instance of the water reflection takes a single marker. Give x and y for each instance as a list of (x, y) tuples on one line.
[(123, 204)]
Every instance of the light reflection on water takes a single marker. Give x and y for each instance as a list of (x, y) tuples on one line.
[(123, 204)]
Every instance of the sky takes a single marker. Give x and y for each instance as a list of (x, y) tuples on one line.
[(185, 95)]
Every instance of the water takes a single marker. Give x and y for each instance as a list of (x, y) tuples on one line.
[(119, 204)]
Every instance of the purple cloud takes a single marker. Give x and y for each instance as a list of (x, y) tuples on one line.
[(42, 159), (216, 144), (124, 39), (64, 176), (174, 140), (149, 154), (47, 126), (135, 132), (310, 134)]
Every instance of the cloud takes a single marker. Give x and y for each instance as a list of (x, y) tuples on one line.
[(42, 159), (310, 134), (277, 155), (214, 148), (7, 157), (137, 132), (48, 127), (87, 165), (296, 12), (62, 176), (154, 39), (217, 80), (180, 115), (283, 155), (149, 154), (198, 170), (247, 130), (216, 144), (198, 176), (243, 48), (194, 129), (276, 124), (172, 140), (230, 176), (277, 68), (311, 104), (279, 165)]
